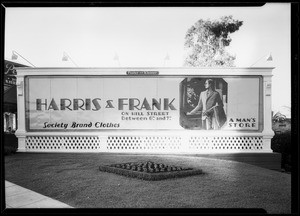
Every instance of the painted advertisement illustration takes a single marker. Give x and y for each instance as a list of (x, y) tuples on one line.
[(142, 103), (204, 103), (215, 103)]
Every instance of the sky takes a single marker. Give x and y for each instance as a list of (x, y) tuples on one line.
[(144, 36)]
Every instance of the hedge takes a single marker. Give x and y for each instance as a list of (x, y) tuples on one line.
[(281, 143), (10, 143)]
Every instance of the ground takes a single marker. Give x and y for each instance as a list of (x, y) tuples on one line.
[(76, 180)]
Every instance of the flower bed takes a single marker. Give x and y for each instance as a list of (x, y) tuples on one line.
[(149, 170)]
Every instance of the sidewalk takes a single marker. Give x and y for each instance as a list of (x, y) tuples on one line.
[(19, 197)]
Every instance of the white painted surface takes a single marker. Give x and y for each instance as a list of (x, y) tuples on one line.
[(244, 102)]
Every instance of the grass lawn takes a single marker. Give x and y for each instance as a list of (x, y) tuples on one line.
[(76, 180)]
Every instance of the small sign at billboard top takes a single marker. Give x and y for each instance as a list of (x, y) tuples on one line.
[(99, 103), (140, 73)]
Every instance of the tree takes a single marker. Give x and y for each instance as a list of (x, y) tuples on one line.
[(279, 117), (206, 41)]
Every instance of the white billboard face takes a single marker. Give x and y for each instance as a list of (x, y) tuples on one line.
[(142, 103)]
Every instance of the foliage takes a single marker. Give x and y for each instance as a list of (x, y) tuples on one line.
[(206, 40), (278, 117), (149, 170), (192, 96), (281, 143), (10, 144)]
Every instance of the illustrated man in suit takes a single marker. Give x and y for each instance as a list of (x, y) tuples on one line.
[(211, 105)]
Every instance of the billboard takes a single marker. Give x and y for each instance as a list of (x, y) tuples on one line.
[(65, 103)]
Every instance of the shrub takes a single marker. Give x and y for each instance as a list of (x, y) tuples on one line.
[(281, 143), (10, 144), (9, 150)]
